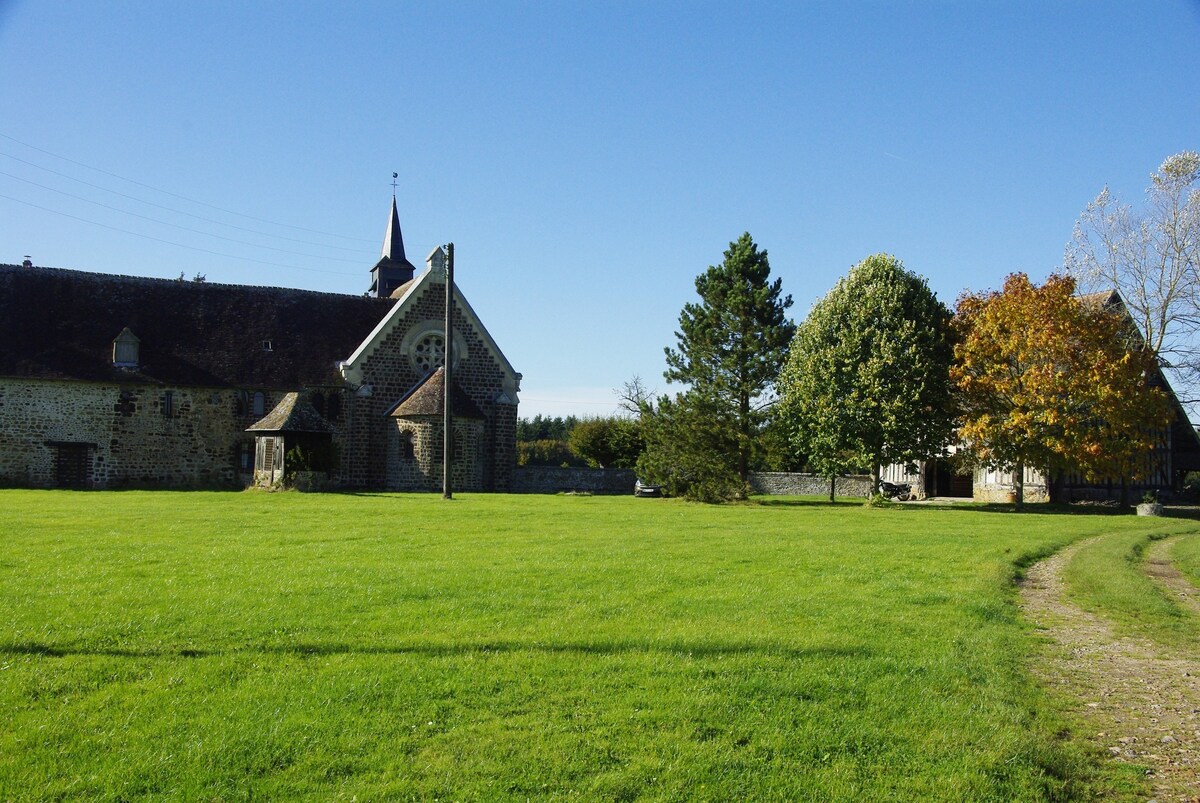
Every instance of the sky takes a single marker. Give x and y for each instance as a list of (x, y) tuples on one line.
[(588, 160)]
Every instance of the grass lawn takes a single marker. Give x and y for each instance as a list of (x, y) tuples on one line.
[(1108, 577), (239, 645), (1186, 554)]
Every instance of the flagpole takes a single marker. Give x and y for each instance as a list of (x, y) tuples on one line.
[(448, 376)]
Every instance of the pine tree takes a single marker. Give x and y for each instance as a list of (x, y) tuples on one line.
[(731, 345)]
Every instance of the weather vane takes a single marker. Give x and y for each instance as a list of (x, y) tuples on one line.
[(394, 177)]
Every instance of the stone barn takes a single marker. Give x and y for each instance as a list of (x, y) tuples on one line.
[(118, 381)]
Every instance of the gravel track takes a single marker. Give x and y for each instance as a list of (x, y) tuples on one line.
[(1140, 703)]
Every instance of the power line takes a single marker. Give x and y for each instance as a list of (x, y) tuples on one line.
[(177, 226), (177, 245), (177, 195), (161, 206)]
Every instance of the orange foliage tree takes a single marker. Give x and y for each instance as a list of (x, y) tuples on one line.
[(1047, 381)]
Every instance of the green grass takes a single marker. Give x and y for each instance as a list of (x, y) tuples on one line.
[(1186, 554), (230, 646), (1107, 577)]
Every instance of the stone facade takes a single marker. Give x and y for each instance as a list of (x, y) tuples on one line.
[(388, 366), (117, 381), (132, 435), (554, 479), (785, 483), (415, 450)]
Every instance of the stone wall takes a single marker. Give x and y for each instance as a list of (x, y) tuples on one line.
[(135, 434), (552, 479), (388, 374), (783, 483), (415, 451)]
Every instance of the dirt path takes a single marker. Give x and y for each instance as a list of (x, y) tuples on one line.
[(1160, 567), (1141, 705)]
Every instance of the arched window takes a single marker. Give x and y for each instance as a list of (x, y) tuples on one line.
[(260, 404), (407, 449)]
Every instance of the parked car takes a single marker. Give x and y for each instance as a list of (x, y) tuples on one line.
[(642, 489)]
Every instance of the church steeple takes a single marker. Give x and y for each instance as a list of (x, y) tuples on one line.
[(393, 268)]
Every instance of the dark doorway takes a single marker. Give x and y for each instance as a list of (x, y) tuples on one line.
[(942, 479), (72, 468)]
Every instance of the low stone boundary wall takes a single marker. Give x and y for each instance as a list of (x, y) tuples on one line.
[(553, 480), (781, 483)]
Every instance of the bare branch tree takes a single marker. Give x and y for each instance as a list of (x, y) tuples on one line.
[(1152, 259), (635, 398)]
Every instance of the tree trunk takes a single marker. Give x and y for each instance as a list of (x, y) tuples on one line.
[(832, 488), (874, 476), (1053, 486), (745, 441), (1019, 485)]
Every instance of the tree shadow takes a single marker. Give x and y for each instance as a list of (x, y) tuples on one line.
[(599, 649)]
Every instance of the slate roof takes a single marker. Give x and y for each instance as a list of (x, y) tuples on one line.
[(60, 324), (1184, 438), (292, 415), (428, 396)]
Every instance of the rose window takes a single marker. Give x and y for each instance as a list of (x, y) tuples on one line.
[(429, 352)]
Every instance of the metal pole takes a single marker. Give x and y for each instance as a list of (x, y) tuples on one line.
[(448, 376)]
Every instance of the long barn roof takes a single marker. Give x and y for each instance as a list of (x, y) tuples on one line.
[(60, 324)]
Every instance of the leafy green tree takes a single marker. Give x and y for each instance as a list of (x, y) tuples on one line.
[(691, 449), (612, 442), (867, 381), (731, 345)]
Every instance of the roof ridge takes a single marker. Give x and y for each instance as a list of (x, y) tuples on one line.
[(160, 280)]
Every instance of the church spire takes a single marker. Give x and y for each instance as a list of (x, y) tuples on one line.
[(393, 268), (393, 240)]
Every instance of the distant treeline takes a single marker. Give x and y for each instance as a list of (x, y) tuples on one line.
[(545, 428)]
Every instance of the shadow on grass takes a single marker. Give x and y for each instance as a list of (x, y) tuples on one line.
[(967, 506), (444, 650)]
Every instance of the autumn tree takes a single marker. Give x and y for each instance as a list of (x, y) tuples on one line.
[(731, 345), (1152, 258), (1047, 381), (867, 378)]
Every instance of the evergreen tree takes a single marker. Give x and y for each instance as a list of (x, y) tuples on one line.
[(731, 345)]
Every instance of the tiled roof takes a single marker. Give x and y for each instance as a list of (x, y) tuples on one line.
[(60, 324), (428, 398), (292, 415)]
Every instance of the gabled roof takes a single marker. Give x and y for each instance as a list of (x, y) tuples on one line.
[(60, 324), (393, 242), (428, 398), (1183, 434), (393, 266), (406, 296), (292, 414)]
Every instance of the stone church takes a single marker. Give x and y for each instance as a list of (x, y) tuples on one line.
[(127, 382)]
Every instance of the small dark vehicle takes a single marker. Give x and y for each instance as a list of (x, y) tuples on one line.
[(641, 489), (898, 491)]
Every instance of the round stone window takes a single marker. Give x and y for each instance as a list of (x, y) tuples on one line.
[(429, 352), (425, 346)]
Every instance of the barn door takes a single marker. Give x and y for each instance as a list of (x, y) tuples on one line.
[(71, 465)]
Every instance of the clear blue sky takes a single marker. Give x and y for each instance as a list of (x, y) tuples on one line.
[(588, 160)]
